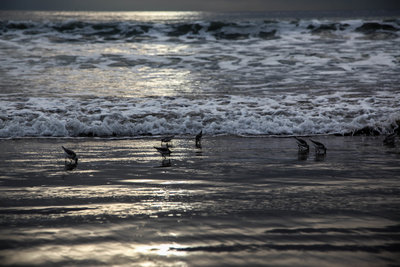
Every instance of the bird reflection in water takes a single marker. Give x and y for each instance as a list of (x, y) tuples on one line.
[(319, 157), (302, 155), (69, 166), (166, 163)]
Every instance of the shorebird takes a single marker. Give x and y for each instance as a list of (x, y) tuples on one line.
[(302, 144), (167, 139), (390, 139), (198, 138), (71, 155), (164, 151), (319, 147)]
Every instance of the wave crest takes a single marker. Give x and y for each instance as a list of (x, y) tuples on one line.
[(64, 117), (201, 29)]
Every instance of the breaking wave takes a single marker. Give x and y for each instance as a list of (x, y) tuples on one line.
[(77, 77), (76, 30), (230, 115)]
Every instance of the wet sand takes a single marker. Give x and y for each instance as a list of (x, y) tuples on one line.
[(235, 201)]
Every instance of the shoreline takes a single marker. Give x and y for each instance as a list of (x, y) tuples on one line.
[(362, 132), (234, 201), (259, 149)]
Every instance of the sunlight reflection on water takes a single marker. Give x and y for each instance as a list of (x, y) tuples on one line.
[(97, 253), (142, 16), (244, 201)]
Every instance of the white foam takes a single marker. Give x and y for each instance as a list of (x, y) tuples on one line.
[(229, 115), (296, 81)]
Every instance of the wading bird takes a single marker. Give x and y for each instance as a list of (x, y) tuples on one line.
[(302, 144), (198, 139), (164, 151), (71, 155), (319, 147)]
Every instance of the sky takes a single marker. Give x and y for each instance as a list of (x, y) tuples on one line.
[(199, 5)]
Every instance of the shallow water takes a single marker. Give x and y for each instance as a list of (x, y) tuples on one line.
[(235, 201)]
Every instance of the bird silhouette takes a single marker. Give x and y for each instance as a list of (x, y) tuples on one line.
[(302, 144), (319, 147), (71, 155), (198, 139), (164, 151)]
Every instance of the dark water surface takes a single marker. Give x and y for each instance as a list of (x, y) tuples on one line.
[(235, 201)]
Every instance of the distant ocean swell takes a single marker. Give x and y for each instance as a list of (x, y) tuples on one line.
[(267, 29), (230, 115)]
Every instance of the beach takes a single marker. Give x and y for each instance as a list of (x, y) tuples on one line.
[(110, 85), (234, 201)]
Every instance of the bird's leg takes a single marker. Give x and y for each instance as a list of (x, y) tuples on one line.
[(198, 144)]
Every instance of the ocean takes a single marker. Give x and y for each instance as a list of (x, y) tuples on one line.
[(110, 85), (132, 74)]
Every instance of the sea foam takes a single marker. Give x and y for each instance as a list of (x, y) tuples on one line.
[(237, 115), (125, 78)]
